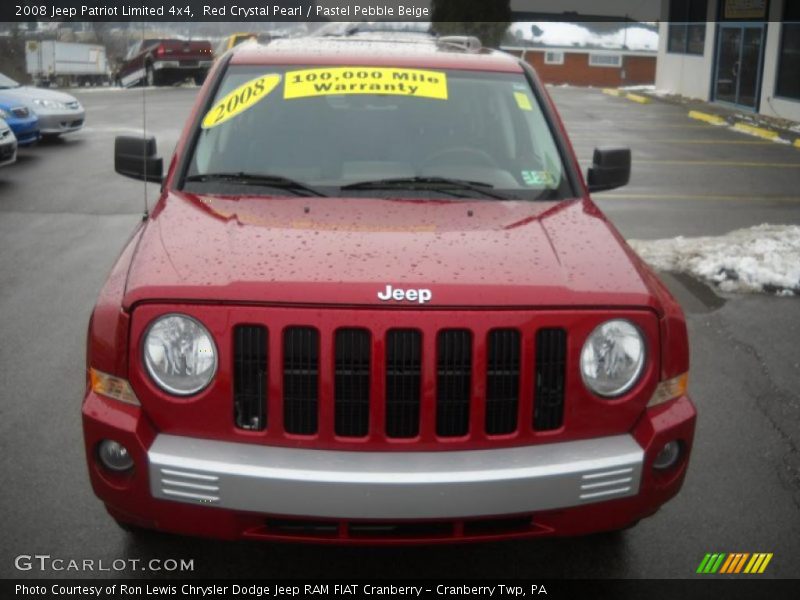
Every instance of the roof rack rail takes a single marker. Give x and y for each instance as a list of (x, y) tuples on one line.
[(468, 43)]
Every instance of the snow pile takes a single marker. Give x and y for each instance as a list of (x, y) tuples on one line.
[(765, 258), (573, 34)]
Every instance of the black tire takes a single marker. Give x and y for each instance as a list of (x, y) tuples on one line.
[(150, 78), (199, 78)]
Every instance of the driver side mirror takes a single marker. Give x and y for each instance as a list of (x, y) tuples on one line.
[(611, 168), (136, 157)]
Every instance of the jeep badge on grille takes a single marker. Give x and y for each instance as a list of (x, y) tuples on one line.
[(421, 296)]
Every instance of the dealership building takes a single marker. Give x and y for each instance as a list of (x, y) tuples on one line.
[(739, 53)]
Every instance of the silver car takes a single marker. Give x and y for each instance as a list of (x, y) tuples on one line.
[(8, 144), (58, 112)]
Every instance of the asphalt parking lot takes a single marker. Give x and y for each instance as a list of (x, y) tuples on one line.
[(64, 216)]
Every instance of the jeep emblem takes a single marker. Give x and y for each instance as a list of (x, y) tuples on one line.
[(421, 296)]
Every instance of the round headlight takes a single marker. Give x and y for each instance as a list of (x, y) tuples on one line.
[(612, 358), (179, 354)]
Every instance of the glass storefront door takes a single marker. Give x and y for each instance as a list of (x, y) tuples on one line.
[(740, 47)]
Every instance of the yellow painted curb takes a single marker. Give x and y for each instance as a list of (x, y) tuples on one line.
[(638, 98), (612, 92), (756, 131), (711, 119), (797, 143)]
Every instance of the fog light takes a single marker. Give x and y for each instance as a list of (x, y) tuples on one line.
[(114, 456), (668, 456)]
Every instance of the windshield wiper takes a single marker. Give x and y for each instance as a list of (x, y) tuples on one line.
[(428, 183), (262, 179)]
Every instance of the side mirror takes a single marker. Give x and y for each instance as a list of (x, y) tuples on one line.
[(611, 168), (135, 157)]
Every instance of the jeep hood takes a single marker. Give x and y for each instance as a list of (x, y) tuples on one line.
[(343, 251)]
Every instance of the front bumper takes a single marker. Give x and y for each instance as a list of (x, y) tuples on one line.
[(182, 65), (56, 123), (8, 152), (391, 485), (234, 490)]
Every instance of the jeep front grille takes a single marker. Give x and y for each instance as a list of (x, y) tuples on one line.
[(551, 365), (453, 382), (351, 382), (502, 381), (250, 376), (300, 380), (467, 398), (403, 381)]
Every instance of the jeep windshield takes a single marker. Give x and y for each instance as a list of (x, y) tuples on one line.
[(377, 132)]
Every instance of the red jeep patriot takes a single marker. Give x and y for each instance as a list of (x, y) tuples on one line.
[(375, 303)]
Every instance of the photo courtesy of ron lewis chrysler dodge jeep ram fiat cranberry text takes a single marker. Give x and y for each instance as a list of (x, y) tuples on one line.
[(375, 304)]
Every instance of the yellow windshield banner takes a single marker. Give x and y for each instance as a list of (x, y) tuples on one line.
[(239, 100), (523, 101), (365, 80)]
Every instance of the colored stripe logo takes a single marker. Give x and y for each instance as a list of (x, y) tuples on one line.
[(734, 563)]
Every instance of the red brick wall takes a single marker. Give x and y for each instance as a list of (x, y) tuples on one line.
[(639, 70)]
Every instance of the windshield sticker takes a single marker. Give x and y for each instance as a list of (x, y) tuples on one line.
[(365, 80), (239, 100), (523, 101), (539, 178)]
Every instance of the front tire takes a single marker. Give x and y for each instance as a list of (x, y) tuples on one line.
[(150, 76)]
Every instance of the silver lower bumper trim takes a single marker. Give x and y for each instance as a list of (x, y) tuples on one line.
[(393, 485)]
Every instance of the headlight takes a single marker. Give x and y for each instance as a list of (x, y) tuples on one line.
[(4, 114), (179, 354), (612, 358), (54, 104)]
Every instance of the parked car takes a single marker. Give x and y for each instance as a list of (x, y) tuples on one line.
[(21, 119), (376, 302), (165, 62), (58, 112), (8, 144)]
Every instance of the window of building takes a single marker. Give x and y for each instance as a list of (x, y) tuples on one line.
[(553, 58), (686, 32), (788, 81), (605, 60)]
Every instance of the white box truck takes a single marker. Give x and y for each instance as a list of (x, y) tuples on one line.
[(66, 64)]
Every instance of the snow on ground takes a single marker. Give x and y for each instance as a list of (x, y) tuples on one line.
[(573, 34), (765, 258)]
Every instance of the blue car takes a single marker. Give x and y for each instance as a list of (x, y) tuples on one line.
[(22, 120)]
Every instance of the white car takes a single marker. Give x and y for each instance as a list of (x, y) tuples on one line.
[(8, 144), (58, 112)]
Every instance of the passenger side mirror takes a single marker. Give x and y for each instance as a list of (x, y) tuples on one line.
[(611, 168), (135, 157)]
